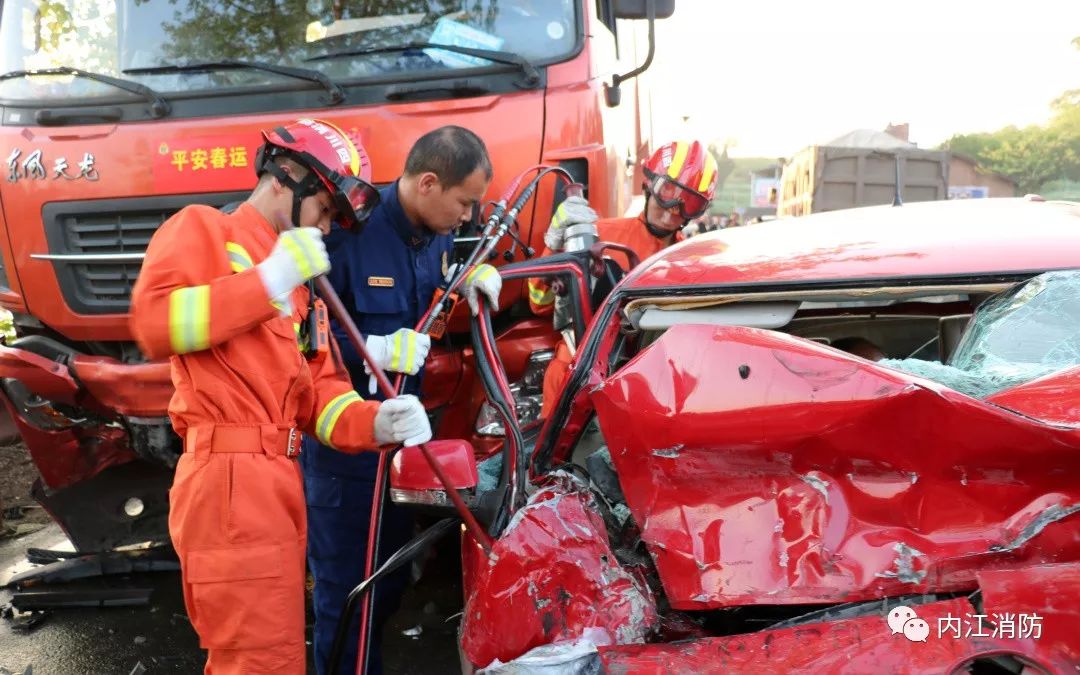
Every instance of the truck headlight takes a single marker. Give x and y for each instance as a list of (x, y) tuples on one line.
[(528, 393)]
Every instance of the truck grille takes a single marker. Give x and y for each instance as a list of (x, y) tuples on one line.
[(96, 247)]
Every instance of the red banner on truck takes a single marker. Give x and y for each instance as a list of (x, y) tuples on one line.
[(196, 164)]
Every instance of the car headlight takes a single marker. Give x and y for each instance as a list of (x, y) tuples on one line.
[(528, 393)]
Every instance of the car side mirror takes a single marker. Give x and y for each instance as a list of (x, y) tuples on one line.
[(412, 480)]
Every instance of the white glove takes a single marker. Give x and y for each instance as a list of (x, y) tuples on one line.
[(404, 351), (402, 420), (283, 305), (573, 211), (483, 279), (297, 256)]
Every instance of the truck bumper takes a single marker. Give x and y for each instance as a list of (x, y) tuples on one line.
[(98, 433)]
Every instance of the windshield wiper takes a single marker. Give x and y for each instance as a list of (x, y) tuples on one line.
[(159, 107), (532, 77), (337, 94)]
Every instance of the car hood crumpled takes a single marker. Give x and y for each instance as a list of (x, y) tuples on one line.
[(767, 469)]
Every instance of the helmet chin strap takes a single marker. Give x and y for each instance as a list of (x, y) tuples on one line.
[(300, 189), (654, 230), (296, 200)]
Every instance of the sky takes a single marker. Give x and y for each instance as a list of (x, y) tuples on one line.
[(775, 77)]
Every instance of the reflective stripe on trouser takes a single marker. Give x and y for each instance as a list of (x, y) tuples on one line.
[(339, 509), (238, 523)]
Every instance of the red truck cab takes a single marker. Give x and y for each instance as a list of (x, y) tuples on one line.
[(165, 110)]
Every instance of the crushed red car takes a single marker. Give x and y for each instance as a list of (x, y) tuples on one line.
[(848, 442)]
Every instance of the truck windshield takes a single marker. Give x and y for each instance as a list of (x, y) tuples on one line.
[(135, 39)]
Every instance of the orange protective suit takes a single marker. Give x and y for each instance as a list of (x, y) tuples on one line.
[(243, 394), (630, 232)]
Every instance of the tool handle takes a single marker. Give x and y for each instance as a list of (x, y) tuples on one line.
[(338, 311)]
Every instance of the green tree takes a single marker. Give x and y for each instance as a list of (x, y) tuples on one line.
[(1033, 155)]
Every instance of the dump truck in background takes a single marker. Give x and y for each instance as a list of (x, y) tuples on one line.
[(827, 178)]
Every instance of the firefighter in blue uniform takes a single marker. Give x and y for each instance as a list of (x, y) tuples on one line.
[(386, 276)]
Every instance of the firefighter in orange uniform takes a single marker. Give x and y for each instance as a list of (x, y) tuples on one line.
[(680, 181), (223, 296)]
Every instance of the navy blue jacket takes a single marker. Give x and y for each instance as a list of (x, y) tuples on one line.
[(386, 277)]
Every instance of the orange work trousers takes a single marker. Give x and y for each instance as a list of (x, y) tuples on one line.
[(238, 524), (554, 378)]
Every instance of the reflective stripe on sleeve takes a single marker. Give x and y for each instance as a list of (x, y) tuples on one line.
[(540, 296), (239, 260), (189, 319), (324, 426)]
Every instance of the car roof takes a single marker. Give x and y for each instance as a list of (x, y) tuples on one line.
[(923, 239)]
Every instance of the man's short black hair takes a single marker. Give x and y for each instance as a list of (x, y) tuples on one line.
[(452, 153)]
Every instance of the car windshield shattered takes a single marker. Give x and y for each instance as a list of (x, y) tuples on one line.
[(1026, 333), (344, 41)]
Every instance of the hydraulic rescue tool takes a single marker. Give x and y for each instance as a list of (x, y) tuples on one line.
[(500, 222)]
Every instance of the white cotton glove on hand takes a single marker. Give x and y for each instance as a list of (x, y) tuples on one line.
[(402, 420), (297, 256), (483, 279), (282, 304), (404, 351), (573, 211)]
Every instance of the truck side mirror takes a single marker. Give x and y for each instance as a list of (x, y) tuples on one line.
[(637, 9), (412, 480)]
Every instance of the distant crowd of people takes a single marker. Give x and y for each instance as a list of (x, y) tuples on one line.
[(712, 222)]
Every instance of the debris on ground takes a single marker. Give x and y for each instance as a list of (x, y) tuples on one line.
[(413, 632), (50, 597), (23, 621), (16, 480)]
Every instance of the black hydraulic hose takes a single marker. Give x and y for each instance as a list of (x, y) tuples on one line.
[(517, 493), (495, 387), (498, 223), (400, 557), (517, 205)]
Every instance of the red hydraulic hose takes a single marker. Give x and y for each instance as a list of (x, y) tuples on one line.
[(337, 309)]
